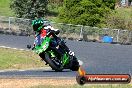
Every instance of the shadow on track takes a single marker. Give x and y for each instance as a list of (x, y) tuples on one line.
[(57, 72)]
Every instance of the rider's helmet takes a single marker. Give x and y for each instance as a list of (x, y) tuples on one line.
[(37, 24)]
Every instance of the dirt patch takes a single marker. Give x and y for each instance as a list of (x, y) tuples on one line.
[(27, 83)]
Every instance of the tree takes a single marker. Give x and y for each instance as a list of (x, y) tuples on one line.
[(85, 12), (55, 1), (29, 8), (130, 0)]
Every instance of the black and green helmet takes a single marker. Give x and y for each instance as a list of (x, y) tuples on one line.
[(37, 24)]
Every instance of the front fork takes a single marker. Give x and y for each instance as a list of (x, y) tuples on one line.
[(65, 59)]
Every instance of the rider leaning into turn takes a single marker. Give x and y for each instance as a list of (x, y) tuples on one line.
[(43, 29)]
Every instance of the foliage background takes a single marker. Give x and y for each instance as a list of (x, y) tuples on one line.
[(29, 8), (56, 11), (85, 12)]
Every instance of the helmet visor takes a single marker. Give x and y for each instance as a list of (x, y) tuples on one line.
[(36, 26)]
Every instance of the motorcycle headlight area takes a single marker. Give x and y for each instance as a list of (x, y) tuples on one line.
[(46, 45), (42, 48)]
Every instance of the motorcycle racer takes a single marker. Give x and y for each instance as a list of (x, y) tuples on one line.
[(42, 29)]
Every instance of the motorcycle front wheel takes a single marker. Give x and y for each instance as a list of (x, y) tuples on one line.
[(54, 63)]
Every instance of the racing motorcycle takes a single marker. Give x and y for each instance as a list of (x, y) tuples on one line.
[(51, 56)]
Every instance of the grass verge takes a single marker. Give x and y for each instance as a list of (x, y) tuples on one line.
[(5, 8), (16, 59), (125, 13)]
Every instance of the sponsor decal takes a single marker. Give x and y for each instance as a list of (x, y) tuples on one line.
[(82, 78)]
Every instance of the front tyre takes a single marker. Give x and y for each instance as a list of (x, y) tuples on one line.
[(55, 65)]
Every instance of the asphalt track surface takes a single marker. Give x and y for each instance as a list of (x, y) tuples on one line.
[(37, 73), (98, 58)]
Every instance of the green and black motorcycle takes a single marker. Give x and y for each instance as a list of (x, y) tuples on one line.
[(56, 61)]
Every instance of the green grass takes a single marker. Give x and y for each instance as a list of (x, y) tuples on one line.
[(5, 8), (16, 59), (125, 13), (86, 86), (121, 18)]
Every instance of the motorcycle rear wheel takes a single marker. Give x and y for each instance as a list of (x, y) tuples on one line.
[(75, 64)]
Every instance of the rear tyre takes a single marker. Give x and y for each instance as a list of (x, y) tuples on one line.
[(53, 63), (75, 64)]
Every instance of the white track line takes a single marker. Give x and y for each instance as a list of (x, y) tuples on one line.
[(41, 68), (14, 48), (34, 77)]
